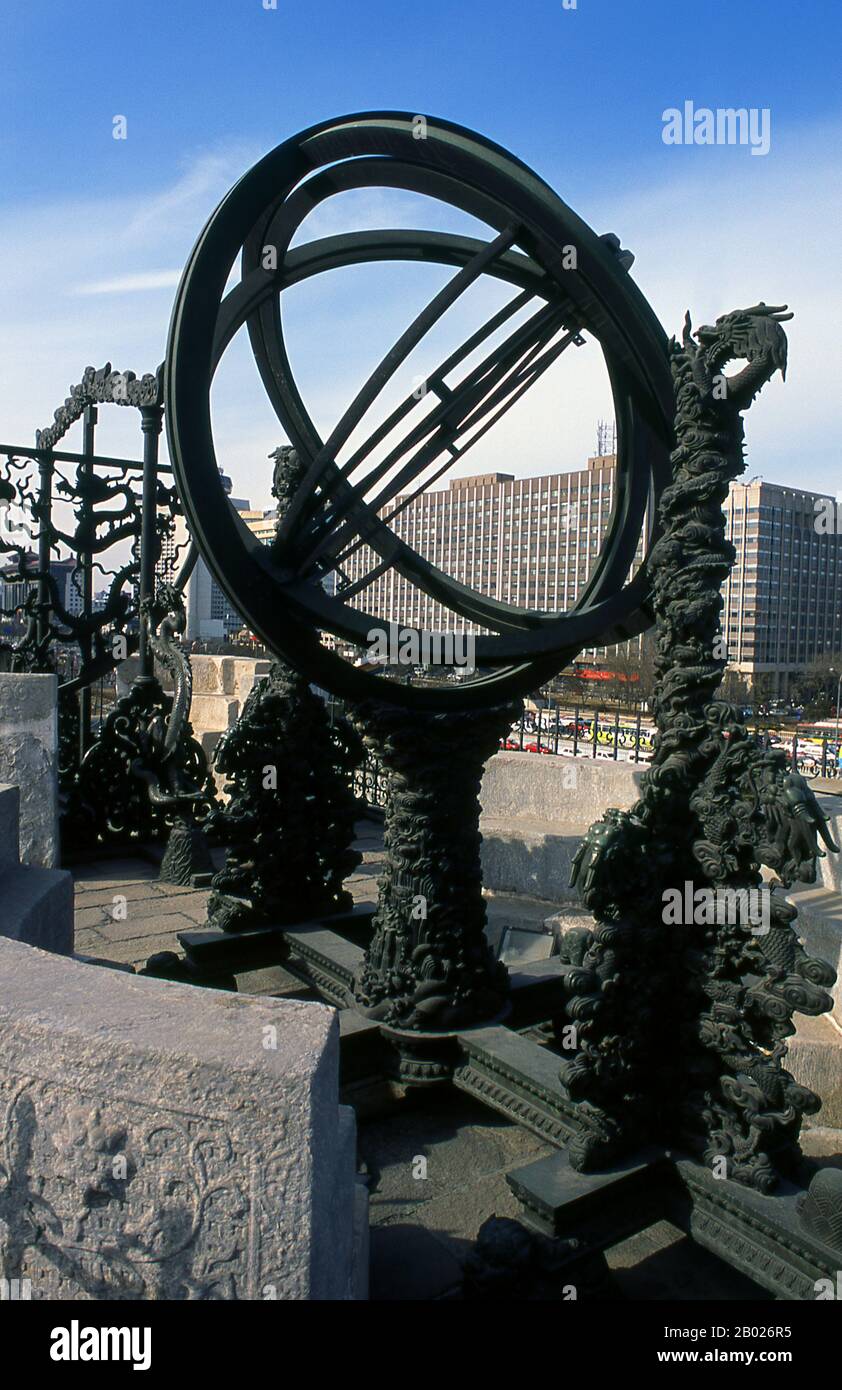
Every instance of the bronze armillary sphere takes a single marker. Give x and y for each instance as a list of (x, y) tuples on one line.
[(343, 505)]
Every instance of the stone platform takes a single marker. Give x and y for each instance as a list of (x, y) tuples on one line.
[(535, 811), (425, 1217), (29, 761)]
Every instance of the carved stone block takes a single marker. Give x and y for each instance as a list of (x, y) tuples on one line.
[(163, 1142)]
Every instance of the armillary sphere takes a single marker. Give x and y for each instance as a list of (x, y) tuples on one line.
[(346, 501)]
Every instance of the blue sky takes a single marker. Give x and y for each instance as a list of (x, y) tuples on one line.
[(93, 231)]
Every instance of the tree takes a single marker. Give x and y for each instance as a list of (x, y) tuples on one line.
[(734, 688), (817, 687), (569, 687), (632, 667)]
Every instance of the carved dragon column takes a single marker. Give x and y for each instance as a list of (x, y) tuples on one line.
[(429, 968), (682, 1022)]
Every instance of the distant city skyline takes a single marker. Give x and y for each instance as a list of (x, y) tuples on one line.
[(533, 542)]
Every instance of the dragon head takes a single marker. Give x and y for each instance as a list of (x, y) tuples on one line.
[(753, 336)]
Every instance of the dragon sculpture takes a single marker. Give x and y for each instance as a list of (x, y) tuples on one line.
[(682, 1029), (165, 620)]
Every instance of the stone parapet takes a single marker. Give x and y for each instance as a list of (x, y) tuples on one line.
[(184, 1143), (535, 810), (36, 905)]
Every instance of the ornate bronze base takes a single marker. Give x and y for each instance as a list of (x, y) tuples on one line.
[(427, 1059), (789, 1242)]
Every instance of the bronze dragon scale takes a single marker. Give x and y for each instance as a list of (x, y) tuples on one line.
[(682, 1028)]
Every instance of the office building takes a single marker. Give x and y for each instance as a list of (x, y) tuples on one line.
[(210, 613), (783, 602), (533, 542)]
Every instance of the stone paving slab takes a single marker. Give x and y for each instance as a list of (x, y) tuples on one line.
[(423, 1229), (135, 892), (135, 928), (153, 906), (89, 916), (157, 912), (196, 908), (116, 926), (88, 940), (139, 949), (132, 889)]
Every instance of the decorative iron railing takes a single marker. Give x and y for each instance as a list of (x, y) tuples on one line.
[(88, 545)]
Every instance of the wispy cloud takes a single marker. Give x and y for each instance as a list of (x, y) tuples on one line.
[(207, 177), (65, 265), (711, 240), (131, 284)]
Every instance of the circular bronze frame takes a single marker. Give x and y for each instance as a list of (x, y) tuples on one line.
[(458, 167)]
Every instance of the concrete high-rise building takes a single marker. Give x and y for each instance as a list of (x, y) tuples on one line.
[(69, 582), (15, 591), (533, 542), (67, 576), (783, 602), (210, 614), (262, 524), (527, 541)]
